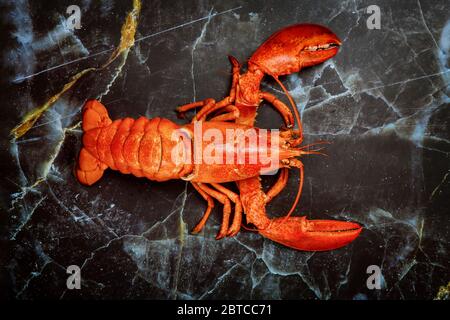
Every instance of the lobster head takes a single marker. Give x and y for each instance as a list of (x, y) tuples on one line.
[(294, 48)]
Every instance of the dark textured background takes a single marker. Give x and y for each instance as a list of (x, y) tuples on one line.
[(382, 101)]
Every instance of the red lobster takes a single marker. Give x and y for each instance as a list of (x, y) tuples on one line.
[(145, 147)]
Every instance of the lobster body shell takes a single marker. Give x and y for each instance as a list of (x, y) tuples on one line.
[(237, 151), (152, 148)]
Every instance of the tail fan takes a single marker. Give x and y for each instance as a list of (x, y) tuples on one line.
[(90, 169), (95, 115)]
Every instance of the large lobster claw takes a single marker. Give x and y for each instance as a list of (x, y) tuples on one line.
[(293, 48), (311, 235), (287, 51)]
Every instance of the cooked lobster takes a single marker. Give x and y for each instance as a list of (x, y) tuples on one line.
[(159, 149)]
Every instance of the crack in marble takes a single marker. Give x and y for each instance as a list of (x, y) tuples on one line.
[(182, 228), (436, 189), (56, 120), (256, 282), (33, 275), (84, 217), (194, 47), (416, 227), (92, 255), (126, 42), (415, 127), (47, 260), (116, 74), (45, 169), (139, 236), (219, 280), (357, 21), (27, 218), (20, 17), (425, 24), (304, 273), (345, 278), (20, 79)]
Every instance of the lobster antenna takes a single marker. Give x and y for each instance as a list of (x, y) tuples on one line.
[(300, 128), (299, 192)]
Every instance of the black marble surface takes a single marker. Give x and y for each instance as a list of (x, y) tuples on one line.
[(383, 102)]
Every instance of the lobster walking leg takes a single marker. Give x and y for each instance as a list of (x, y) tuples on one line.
[(232, 113), (223, 199), (190, 106), (209, 104), (280, 107), (235, 227), (237, 219), (204, 112), (206, 105), (210, 206), (232, 96)]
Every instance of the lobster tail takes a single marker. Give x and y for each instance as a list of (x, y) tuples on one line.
[(142, 147), (95, 116), (89, 170)]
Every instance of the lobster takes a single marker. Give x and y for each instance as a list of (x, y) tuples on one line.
[(146, 147)]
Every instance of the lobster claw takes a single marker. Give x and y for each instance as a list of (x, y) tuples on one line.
[(311, 235), (294, 48)]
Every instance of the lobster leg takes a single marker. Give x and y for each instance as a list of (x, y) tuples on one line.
[(190, 106), (280, 107), (210, 202), (223, 195), (237, 219), (231, 115), (227, 101), (206, 105), (223, 199), (209, 105)]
